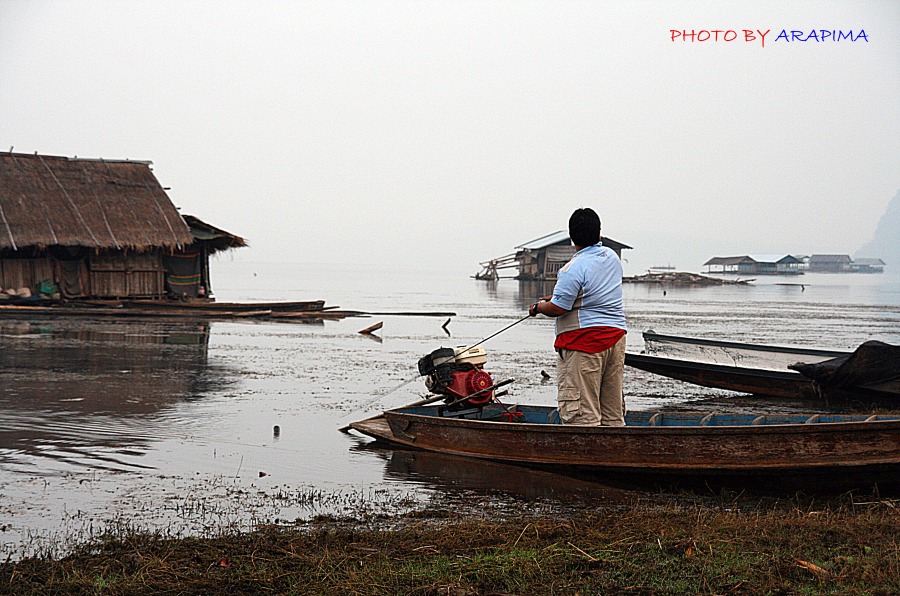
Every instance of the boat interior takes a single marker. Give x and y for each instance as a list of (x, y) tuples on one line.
[(550, 415)]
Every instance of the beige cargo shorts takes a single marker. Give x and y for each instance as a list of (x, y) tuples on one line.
[(590, 386)]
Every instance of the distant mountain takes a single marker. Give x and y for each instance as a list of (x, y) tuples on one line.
[(885, 243)]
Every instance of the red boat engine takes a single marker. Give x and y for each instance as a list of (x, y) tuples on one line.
[(458, 374)]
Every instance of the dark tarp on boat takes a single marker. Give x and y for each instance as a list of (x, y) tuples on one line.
[(872, 362)]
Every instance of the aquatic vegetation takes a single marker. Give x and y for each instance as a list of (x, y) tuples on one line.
[(726, 544)]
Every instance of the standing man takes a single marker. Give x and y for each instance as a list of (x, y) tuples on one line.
[(590, 328)]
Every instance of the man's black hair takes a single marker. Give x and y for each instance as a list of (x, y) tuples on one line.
[(584, 227)]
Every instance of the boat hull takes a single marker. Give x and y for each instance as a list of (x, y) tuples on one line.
[(778, 357), (787, 384), (867, 451), (760, 381)]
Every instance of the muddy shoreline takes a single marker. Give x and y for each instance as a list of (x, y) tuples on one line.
[(727, 543)]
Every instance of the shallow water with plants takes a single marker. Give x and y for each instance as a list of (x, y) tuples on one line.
[(191, 427)]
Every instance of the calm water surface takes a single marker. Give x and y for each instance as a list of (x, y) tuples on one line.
[(171, 425)]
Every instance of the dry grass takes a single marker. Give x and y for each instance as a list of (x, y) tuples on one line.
[(768, 548)]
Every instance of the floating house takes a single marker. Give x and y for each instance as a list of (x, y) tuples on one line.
[(542, 258), (830, 264), (95, 228), (755, 265), (867, 266)]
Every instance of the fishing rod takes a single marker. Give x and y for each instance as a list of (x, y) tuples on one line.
[(410, 380), (510, 326), (385, 394)]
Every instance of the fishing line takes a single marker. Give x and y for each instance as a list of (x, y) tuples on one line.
[(410, 380), (385, 394), (511, 325)]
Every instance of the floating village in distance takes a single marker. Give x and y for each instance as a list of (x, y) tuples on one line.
[(105, 235), (542, 258)]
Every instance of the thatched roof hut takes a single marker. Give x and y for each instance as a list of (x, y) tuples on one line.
[(97, 228), (99, 204)]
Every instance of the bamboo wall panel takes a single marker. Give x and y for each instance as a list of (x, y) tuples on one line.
[(560, 253), (127, 275), (149, 261), (24, 273), (108, 263), (145, 283), (120, 284), (108, 284), (145, 261), (12, 275)]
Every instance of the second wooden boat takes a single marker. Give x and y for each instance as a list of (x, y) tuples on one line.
[(774, 383), (870, 373)]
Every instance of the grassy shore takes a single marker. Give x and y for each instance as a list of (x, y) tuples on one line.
[(838, 546)]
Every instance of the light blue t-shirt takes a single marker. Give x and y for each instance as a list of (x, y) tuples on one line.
[(590, 287)]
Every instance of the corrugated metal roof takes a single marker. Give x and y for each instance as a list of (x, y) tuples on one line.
[(829, 259), (765, 258), (545, 241), (562, 236), (729, 260), (774, 258)]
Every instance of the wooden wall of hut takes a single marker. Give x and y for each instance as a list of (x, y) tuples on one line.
[(104, 275), (544, 264), (24, 273), (556, 259), (132, 275)]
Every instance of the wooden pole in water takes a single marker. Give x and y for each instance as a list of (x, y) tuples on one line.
[(369, 330)]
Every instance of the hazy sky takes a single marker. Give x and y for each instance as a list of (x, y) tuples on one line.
[(446, 133)]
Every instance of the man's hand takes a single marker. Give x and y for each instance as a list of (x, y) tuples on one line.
[(546, 308), (533, 310)]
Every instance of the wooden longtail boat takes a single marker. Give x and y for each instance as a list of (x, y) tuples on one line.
[(758, 356), (302, 306), (869, 373), (830, 448), (774, 383)]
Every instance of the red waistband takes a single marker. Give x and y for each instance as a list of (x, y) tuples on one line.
[(592, 340)]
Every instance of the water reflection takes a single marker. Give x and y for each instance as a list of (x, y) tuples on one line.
[(89, 393), (530, 291), (518, 293), (450, 474)]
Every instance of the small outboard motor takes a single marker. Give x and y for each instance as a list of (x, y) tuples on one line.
[(458, 373)]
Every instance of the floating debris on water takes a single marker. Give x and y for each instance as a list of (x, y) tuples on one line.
[(683, 278)]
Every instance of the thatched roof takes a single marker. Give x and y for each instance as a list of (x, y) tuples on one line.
[(99, 204), (215, 238)]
